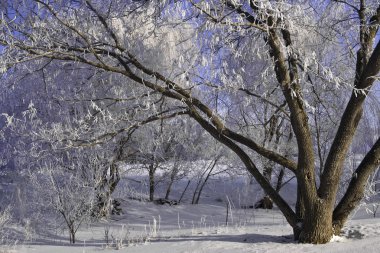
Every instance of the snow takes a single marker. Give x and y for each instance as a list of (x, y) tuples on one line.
[(150, 228), (337, 238), (268, 236)]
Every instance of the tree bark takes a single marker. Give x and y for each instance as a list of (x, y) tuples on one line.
[(72, 236), (300, 214), (355, 191), (151, 181), (317, 226), (347, 128)]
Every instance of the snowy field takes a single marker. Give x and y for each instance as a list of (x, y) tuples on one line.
[(147, 227)]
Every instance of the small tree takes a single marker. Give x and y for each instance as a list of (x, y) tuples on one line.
[(157, 147), (203, 177), (68, 191)]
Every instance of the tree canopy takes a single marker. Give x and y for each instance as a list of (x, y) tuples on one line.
[(241, 69)]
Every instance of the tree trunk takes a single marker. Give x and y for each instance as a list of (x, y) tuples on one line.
[(204, 183), (199, 185), (317, 227), (300, 214), (151, 182), (267, 172), (206, 179), (173, 175), (168, 190), (280, 179), (184, 191), (110, 179), (72, 235), (195, 192)]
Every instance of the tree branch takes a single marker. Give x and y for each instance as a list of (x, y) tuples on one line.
[(356, 188), (347, 128), (129, 130), (277, 199)]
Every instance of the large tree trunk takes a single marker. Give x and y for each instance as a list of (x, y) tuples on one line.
[(300, 214), (317, 227)]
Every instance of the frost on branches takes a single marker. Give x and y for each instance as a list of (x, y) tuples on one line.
[(282, 84)]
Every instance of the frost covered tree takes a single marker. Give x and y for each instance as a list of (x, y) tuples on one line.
[(217, 62), (165, 149), (152, 148), (67, 190)]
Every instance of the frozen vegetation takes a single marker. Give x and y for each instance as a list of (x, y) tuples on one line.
[(160, 125), (144, 226)]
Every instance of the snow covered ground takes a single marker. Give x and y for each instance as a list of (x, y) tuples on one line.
[(147, 227), (202, 229)]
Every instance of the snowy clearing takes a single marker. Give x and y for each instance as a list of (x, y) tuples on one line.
[(148, 227), (198, 232)]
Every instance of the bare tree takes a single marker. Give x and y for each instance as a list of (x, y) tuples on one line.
[(70, 190)]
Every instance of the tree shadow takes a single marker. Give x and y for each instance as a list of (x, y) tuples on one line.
[(242, 238)]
